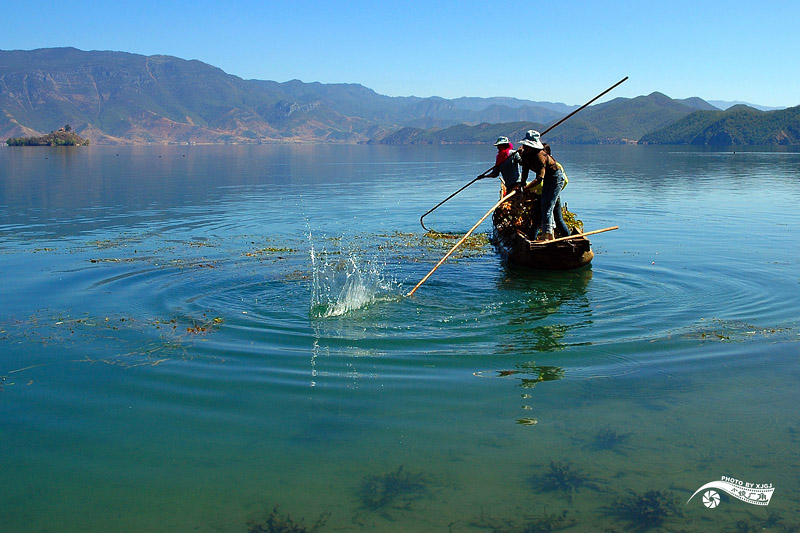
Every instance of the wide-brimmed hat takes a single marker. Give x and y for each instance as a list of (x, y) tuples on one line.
[(502, 140), (532, 139)]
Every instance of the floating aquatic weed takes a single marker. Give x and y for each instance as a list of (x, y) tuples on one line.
[(270, 251), (204, 325), (647, 510), (343, 284), (393, 489), (561, 477), (279, 523), (164, 340), (736, 331)]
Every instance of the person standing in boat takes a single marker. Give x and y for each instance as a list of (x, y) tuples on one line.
[(552, 178), (506, 163)]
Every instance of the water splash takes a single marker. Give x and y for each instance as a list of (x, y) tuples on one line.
[(344, 282)]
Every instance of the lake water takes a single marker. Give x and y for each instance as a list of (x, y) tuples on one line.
[(192, 336)]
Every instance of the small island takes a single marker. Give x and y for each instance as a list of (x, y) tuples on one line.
[(62, 137)]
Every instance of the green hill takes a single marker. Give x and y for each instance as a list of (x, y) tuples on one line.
[(738, 125), (460, 134), (621, 120)]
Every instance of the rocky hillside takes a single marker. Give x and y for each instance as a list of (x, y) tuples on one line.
[(116, 97)]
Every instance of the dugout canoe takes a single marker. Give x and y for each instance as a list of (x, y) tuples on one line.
[(510, 237), (562, 255)]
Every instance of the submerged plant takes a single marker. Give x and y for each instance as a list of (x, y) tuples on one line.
[(561, 477), (773, 522), (391, 488), (547, 522), (647, 510), (542, 523), (609, 439), (278, 523)]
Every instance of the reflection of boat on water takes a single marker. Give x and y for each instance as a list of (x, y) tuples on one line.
[(534, 373), (515, 222), (532, 298)]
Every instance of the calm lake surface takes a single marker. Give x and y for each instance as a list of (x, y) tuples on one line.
[(192, 336)]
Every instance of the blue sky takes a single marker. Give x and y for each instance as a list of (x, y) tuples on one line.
[(562, 51)]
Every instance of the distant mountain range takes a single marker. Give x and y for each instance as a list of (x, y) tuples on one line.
[(122, 98), (724, 104)]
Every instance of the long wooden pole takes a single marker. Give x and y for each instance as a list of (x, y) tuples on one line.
[(586, 104), (443, 201), (576, 236), (453, 249), (545, 131)]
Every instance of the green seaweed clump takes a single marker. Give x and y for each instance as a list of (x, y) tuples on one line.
[(647, 510), (392, 488), (278, 523), (561, 477), (570, 219)]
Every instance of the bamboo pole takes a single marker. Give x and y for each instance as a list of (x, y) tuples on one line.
[(443, 201), (585, 105), (453, 249), (578, 236), (485, 174)]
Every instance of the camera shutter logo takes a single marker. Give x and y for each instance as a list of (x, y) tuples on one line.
[(753, 493), (710, 498)]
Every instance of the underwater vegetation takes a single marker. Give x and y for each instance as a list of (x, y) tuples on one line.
[(394, 489), (609, 439), (542, 523), (647, 510), (773, 522), (561, 477), (279, 523)]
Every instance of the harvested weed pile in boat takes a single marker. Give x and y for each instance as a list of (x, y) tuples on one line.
[(523, 214)]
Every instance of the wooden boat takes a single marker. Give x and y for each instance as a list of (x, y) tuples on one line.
[(515, 222)]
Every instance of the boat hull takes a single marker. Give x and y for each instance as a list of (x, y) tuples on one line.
[(561, 255)]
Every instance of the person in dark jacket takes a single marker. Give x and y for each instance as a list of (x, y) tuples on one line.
[(507, 163), (551, 175)]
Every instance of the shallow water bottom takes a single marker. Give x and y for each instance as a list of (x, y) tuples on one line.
[(482, 460), (221, 330)]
